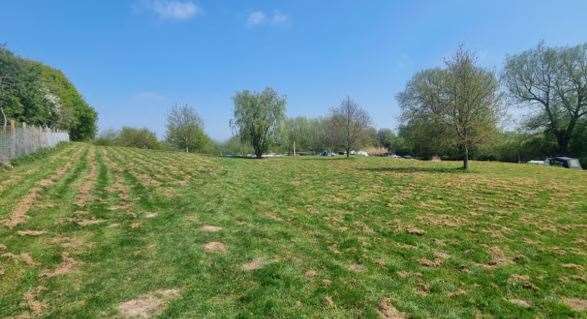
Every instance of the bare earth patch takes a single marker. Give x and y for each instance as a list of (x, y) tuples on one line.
[(67, 265), (388, 311), (214, 246), (576, 304), (210, 228), (357, 268), (310, 274), (24, 257), (254, 264), (415, 231), (498, 257), (31, 232), (521, 303), (31, 299), (438, 260), (148, 305)]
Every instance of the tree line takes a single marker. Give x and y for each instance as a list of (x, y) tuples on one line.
[(454, 111), (36, 94)]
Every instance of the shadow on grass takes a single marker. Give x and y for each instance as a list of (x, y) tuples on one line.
[(415, 169)]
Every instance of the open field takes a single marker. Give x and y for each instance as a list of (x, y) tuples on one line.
[(117, 232)]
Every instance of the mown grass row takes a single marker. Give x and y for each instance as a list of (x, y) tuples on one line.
[(291, 237)]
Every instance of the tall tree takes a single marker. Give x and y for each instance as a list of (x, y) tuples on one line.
[(386, 138), (257, 117), (554, 82), (461, 101), (349, 122), (185, 129)]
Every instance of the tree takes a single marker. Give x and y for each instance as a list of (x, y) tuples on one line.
[(257, 117), (386, 138), (461, 102), (349, 122), (554, 82), (185, 129)]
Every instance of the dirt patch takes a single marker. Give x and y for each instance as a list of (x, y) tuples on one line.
[(521, 303), (18, 215), (254, 264), (31, 299), (576, 304), (522, 280), (415, 231), (386, 310), (328, 301), (573, 267), (67, 265), (23, 257), (498, 257), (31, 232), (151, 215), (148, 305), (438, 260), (210, 228), (214, 246), (357, 268), (310, 274)]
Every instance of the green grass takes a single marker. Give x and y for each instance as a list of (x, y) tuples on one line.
[(332, 237)]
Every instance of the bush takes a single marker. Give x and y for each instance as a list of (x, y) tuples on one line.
[(137, 137)]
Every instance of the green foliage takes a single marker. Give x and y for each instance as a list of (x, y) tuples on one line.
[(185, 130), (460, 103), (257, 117), (553, 81), (137, 137), (386, 139), (37, 94), (129, 137)]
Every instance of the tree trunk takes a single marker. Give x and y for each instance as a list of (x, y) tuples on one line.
[(294, 148), (563, 144), (348, 152), (466, 158), (258, 154)]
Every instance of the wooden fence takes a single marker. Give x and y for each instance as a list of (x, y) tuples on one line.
[(19, 140)]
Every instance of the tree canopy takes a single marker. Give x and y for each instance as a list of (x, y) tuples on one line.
[(553, 81), (257, 118), (460, 103), (37, 94), (185, 129)]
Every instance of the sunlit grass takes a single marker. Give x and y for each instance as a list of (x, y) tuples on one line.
[(290, 237)]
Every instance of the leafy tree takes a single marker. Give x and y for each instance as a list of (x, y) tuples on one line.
[(348, 123), (257, 118), (553, 81), (461, 102), (386, 138), (37, 94), (185, 129)]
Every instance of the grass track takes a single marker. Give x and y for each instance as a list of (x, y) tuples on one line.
[(302, 237)]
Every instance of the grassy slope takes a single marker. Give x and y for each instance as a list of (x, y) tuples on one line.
[(334, 237)]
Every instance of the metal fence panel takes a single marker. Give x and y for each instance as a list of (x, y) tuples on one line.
[(19, 141)]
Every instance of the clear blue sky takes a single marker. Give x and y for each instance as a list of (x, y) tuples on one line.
[(133, 59)]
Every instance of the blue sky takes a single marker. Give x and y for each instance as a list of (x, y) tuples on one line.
[(134, 59)]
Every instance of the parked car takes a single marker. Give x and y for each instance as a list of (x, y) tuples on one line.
[(563, 161), (362, 153), (327, 153), (534, 162)]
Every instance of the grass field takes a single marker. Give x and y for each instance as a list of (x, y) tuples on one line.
[(117, 232)]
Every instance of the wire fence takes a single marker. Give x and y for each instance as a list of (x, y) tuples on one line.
[(20, 140)]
